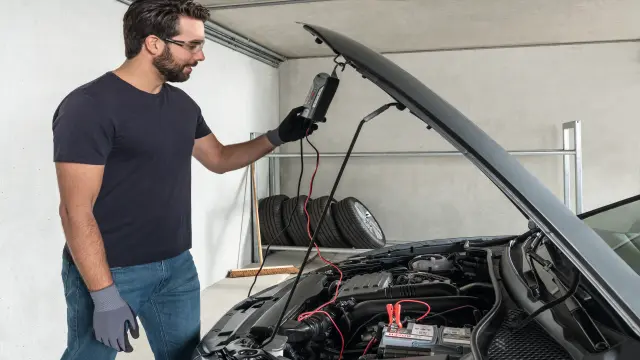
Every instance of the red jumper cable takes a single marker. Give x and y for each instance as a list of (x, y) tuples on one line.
[(394, 314), (319, 308)]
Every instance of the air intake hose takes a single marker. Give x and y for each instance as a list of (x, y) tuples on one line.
[(309, 328), (420, 290), (408, 291)]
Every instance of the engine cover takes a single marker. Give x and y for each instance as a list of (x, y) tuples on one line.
[(365, 284), (380, 286)]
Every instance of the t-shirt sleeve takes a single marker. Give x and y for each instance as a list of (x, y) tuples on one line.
[(202, 129), (81, 132)]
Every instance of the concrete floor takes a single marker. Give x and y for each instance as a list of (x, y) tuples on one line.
[(221, 296)]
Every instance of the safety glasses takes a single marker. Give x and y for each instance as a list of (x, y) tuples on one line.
[(192, 46)]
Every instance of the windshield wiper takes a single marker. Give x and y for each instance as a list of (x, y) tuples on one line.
[(551, 304), (586, 324), (533, 287)]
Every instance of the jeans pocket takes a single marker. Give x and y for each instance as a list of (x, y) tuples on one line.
[(184, 274), (66, 278)]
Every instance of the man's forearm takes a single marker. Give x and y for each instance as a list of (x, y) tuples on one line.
[(237, 156), (86, 246)]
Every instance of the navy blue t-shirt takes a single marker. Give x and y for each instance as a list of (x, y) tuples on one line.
[(145, 141)]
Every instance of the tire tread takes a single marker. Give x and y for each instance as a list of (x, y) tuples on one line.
[(329, 235), (353, 231)]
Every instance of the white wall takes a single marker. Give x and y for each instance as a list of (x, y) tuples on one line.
[(52, 47), (519, 96)]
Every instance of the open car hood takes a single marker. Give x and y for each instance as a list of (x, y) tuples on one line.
[(589, 253)]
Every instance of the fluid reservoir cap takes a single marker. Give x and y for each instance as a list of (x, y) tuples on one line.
[(432, 263)]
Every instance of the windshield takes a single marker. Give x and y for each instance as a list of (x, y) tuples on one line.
[(619, 227)]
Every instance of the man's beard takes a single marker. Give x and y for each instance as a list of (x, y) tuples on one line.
[(172, 71)]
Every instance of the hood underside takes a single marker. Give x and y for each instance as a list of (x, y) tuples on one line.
[(590, 254)]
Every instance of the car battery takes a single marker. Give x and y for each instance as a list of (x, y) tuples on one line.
[(454, 341), (413, 340), (424, 340)]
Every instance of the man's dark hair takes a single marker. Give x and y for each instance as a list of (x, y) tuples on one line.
[(156, 17)]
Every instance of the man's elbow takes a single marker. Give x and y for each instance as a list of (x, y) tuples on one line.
[(63, 212), (217, 169), (212, 161), (74, 213), (216, 164)]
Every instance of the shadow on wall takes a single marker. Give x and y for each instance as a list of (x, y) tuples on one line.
[(245, 247), (217, 223), (244, 219)]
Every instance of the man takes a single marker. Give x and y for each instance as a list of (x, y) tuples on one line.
[(123, 145)]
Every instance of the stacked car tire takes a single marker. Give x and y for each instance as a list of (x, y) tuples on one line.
[(348, 223)]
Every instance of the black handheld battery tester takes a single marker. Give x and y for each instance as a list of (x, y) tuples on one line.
[(319, 98)]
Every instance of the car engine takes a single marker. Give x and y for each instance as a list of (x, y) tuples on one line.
[(394, 307)]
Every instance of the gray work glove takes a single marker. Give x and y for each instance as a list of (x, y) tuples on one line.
[(111, 317), (293, 127)]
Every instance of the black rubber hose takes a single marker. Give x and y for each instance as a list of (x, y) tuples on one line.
[(308, 328), (480, 285), (419, 290), (407, 291)]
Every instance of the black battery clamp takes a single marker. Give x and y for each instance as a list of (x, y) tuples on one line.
[(320, 95)]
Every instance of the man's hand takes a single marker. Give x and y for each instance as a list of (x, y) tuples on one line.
[(293, 127), (112, 316)]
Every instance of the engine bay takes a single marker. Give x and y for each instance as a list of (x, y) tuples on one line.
[(450, 299), (384, 307)]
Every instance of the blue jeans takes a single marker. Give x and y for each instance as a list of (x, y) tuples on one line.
[(164, 295)]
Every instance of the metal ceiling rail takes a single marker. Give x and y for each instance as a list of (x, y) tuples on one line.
[(572, 148), (256, 3), (232, 40)]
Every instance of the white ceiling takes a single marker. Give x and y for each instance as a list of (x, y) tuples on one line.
[(418, 25)]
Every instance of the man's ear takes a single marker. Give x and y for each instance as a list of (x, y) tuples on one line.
[(154, 45)]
